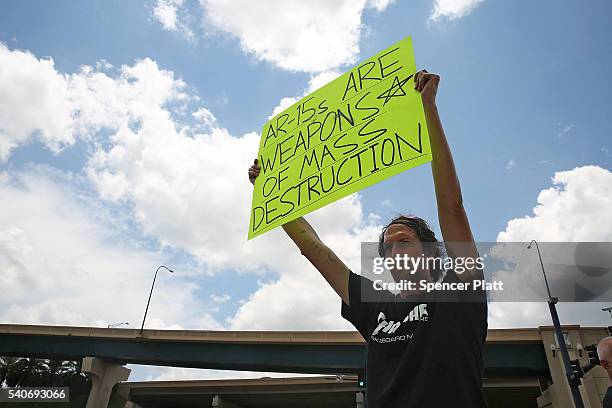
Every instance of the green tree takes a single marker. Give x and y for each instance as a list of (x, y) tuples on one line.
[(32, 372), (6, 364), (25, 372)]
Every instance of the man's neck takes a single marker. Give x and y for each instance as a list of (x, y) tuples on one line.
[(407, 294)]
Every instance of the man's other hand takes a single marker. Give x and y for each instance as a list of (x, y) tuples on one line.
[(254, 172)]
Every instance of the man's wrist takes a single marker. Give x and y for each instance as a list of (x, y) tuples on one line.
[(430, 104)]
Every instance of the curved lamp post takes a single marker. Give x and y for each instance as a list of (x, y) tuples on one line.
[(572, 379), (150, 293)]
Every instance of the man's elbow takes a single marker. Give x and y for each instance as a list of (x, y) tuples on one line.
[(452, 205), (311, 247)]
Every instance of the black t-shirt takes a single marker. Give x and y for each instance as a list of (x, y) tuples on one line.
[(420, 354), (607, 401)]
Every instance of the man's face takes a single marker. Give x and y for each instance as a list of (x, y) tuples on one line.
[(401, 240)]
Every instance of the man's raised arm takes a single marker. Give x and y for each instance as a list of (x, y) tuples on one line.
[(335, 272), (454, 223)]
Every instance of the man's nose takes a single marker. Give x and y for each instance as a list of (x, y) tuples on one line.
[(401, 249), (397, 250)]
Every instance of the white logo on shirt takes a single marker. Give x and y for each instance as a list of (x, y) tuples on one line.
[(419, 313)]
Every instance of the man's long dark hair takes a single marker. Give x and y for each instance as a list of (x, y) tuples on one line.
[(422, 231)]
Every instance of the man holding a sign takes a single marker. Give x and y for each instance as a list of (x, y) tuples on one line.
[(419, 354)]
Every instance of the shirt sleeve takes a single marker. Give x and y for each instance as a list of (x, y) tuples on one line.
[(360, 311)]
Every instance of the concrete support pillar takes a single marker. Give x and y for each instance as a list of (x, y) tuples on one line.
[(359, 400), (104, 375), (544, 400), (219, 402)]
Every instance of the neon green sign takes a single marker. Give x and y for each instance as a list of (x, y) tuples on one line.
[(363, 127)]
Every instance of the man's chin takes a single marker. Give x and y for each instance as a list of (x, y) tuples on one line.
[(409, 277)]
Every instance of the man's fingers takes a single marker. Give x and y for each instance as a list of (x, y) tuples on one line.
[(255, 166), (423, 79), (417, 77)]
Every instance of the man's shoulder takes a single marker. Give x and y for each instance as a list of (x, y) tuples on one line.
[(368, 290)]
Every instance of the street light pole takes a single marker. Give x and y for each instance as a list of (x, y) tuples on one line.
[(572, 379), (150, 293)]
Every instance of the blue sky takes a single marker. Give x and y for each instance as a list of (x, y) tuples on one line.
[(524, 95)]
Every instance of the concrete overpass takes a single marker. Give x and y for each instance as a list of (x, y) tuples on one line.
[(334, 352), (515, 359)]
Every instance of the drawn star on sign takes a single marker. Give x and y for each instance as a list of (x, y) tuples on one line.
[(396, 87)]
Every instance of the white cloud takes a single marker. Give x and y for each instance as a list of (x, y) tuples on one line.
[(220, 298), (166, 12), (138, 92), (510, 165), (295, 35), (315, 82), (575, 209), (565, 129), (531, 314), (310, 36), (38, 101), (386, 203), (452, 9), (380, 5), (59, 266), (205, 118), (284, 104), (33, 103)]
